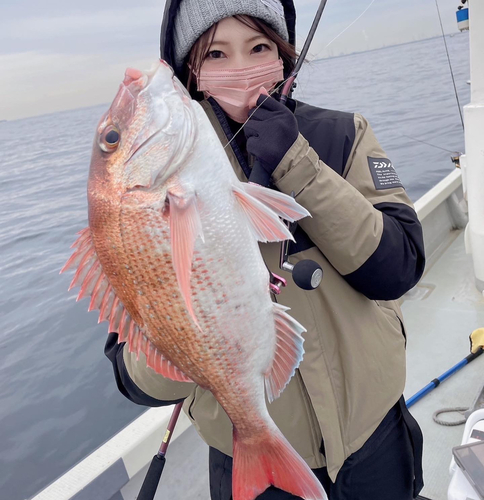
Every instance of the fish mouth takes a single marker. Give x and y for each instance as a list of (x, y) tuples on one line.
[(163, 82), (135, 80)]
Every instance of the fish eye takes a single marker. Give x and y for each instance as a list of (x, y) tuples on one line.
[(109, 139)]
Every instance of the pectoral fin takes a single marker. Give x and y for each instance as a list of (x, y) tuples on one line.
[(263, 221), (185, 228), (285, 206)]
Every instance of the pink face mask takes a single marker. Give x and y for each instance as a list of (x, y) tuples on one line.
[(237, 90)]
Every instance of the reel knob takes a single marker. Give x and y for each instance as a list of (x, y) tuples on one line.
[(307, 274)]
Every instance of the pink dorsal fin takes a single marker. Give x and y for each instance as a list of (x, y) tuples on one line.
[(263, 221), (185, 228), (94, 283), (106, 304), (83, 244), (98, 293), (90, 280), (88, 259), (285, 206), (138, 342), (289, 352), (116, 313), (84, 235)]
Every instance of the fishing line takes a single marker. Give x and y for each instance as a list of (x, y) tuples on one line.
[(273, 91), (450, 65), (349, 26), (429, 144)]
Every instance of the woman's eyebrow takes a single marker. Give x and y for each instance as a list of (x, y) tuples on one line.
[(256, 37), (219, 42), (249, 40)]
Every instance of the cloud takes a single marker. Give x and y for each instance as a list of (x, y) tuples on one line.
[(387, 22), (58, 55), (78, 58), (100, 31), (35, 83)]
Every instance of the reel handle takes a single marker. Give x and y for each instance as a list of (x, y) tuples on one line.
[(307, 274)]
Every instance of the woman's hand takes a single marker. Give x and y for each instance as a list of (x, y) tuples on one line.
[(271, 130)]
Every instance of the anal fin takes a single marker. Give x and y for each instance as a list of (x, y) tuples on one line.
[(289, 352), (161, 365)]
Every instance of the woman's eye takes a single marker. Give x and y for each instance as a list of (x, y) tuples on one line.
[(215, 54), (261, 47)]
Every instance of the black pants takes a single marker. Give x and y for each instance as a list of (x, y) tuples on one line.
[(387, 467)]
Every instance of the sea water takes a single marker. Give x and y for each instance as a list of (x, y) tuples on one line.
[(58, 398)]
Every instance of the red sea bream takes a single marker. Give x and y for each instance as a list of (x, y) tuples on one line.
[(171, 259)]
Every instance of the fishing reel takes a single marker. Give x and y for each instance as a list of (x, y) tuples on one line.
[(307, 274)]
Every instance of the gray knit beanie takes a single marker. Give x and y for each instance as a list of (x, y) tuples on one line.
[(194, 17)]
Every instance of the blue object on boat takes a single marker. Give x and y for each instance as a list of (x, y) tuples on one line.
[(437, 381), (463, 19)]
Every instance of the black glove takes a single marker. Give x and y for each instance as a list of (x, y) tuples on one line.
[(270, 132)]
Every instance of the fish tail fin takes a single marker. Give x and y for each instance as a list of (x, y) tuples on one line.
[(271, 461)]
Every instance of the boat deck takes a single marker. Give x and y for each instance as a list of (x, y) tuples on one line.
[(438, 328), (185, 474)]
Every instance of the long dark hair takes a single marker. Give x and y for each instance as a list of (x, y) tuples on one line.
[(201, 47)]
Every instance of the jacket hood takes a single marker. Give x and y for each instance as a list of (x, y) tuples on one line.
[(167, 51)]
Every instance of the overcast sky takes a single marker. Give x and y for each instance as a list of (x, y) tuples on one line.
[(57, 55)]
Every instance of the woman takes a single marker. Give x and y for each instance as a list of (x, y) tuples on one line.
[(343, 411)]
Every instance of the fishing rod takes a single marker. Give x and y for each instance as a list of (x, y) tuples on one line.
[(450, 65), (288, 86), (307, 274), (152, 478)]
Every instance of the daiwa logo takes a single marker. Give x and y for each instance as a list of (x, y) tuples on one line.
[(383, 164), (383, 174)]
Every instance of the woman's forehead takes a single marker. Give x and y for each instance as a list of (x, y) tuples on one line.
[(230, 28)]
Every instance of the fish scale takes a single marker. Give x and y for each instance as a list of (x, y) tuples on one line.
[(171, 257), (179, 348)]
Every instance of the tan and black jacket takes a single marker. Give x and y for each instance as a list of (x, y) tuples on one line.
[(366, 236)]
